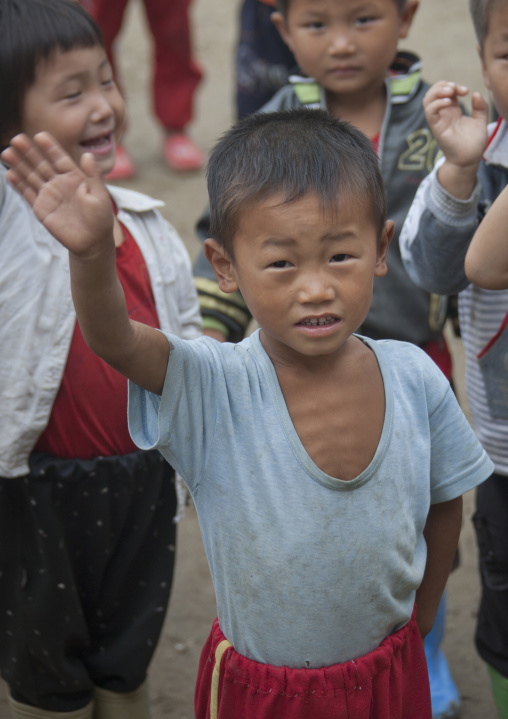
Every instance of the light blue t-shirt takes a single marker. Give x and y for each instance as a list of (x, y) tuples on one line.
[(308, 570)]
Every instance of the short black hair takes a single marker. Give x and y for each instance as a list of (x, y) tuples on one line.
[(480, 10), (290, 153), (283, 6), (30, 31)]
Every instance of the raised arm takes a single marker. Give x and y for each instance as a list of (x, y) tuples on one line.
[(74, 206), (460, 137), (486, 261)]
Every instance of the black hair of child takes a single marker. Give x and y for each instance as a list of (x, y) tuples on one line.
[(290, 153), (283, 6), (480, 11), (30, 30)]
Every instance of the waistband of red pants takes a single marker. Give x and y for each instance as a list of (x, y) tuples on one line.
[(295, 681)]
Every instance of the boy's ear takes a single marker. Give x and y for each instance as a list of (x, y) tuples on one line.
[(280, 23), (406, 17), (221, 265), (381, 267)]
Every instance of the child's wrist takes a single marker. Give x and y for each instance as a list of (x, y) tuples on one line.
[(458, 180)]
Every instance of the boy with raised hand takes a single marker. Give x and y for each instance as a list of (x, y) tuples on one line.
[(446, 212), (349, 65), (325, 469)]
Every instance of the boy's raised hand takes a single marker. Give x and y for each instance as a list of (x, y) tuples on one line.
[(70, 201), (462, 138)]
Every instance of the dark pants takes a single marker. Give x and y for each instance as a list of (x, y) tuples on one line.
[(87, 552), (491, 524)]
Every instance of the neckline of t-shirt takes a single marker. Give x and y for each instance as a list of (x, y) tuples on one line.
[(294, 440)]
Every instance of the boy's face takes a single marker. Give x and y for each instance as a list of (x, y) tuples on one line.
[(305, 274), (494, 57), (75, 99), (346, 45)]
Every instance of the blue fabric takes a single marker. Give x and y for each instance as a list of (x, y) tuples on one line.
[(343, 559)]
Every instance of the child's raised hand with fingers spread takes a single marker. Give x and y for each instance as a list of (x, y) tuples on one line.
[(74, 205), (462, 138), (71, 202)]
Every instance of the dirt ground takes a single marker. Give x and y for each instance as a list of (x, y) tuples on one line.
[(443, 36)]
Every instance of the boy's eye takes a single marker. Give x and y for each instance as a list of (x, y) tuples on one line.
[(280, 264), (365, 19), (315, 25), (340, 257)]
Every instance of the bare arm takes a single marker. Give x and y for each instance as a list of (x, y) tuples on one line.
[(462, 139), (486, 260), (441, 533), (74, 206)]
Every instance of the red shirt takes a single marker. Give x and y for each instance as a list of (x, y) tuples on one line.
[(89, 415)]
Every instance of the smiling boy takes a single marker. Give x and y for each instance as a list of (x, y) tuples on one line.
[(86, 547), (326, 470)]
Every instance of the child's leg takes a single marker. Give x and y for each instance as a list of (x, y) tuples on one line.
[(176, 74), (499, 686), (491, 524), (109, 15), (389, 683), (23, 711), (132, 705)]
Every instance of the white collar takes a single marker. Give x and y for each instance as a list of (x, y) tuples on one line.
[(131, 200), (496, 152)]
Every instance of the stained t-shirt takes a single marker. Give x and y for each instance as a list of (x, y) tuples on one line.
[(308, 570)]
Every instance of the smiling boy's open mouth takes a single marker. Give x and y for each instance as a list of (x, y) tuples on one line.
[(100, 141)]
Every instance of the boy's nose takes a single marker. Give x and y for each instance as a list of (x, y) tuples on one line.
[(315, 290), (341, 43)]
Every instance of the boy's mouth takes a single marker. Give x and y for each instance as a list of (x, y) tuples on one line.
[(343, 70), (318, 321)]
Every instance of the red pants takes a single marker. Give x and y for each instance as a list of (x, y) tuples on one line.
[(389, 683), (175, 75)]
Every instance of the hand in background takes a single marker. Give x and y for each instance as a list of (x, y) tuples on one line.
[(462, 138)]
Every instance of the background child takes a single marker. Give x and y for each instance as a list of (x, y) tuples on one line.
[(86, 538), (392, 101), (446, 212), (347, 54), (302, 233)]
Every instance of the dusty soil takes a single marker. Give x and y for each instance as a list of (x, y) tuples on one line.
[(443, 36)]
